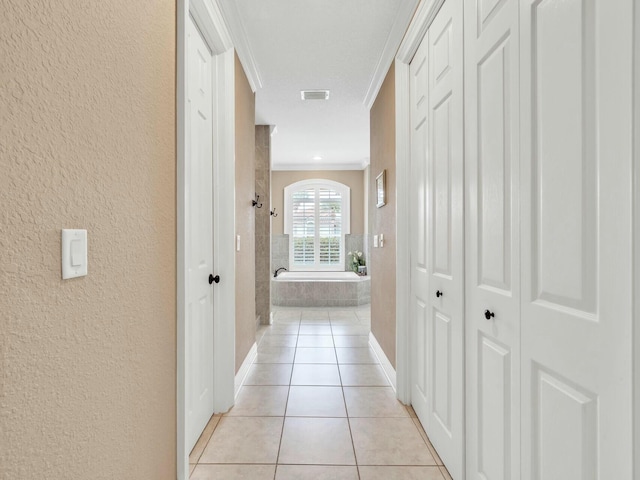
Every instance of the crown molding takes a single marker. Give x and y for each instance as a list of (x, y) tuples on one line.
[(241, 43), (319, 168), (398, 29), (425, 14)]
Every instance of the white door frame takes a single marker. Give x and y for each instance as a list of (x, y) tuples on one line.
[(423, 18), (636, 239), (209, 20)]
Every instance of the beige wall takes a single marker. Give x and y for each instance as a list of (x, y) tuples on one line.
[(382, 263), (245, 215), (87, 140), (351, 178)]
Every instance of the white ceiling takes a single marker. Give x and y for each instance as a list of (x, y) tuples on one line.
[(344, 46)]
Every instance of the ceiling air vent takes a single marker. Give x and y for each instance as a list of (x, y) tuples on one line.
[(314, 94)]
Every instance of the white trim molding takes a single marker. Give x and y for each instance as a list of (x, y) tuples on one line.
[(241, 43), (213, 28), (388, 369), (224, 245), (398, 29), (208, 17), (636, 239), (288, 167), (241, 376), (182, 455), (345, 226), (403, 243), (425, 14)]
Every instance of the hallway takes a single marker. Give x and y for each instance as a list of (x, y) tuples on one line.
[(316, 405)]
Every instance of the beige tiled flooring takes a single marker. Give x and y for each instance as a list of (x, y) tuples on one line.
[(316, 405)]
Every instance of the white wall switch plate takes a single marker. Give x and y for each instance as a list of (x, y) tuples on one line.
[(381, 240), (74, 253), (375, 241), (237, 243)]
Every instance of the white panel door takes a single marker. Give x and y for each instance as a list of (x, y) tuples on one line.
[(492, 239), (199, 242), (576, 239), (419, 329), (445, 222)]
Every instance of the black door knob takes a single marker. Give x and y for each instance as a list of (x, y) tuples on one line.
[(439, 294), (214, 279), (489, 315)]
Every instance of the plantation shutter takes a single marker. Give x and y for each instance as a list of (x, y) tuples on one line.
[(316, 220), (329, 226), (303, 226)]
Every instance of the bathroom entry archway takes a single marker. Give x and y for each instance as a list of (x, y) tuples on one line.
[(211, 27)]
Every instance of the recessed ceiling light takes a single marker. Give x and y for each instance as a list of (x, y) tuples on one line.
[(314, 94), (317, 157)]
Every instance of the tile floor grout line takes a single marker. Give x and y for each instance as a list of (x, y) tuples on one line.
[(346, 409)]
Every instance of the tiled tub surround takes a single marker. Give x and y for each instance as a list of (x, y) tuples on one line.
[(279, 252), (355, 243), (320, 289), (263, 223)]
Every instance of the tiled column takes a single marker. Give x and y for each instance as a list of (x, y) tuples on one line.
[(263, 223)]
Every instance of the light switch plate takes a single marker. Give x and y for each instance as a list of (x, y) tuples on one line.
[(375, 241), (381, 240), (237, 243), (74, 253)]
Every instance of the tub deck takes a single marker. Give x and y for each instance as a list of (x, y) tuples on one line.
[(320, 289)]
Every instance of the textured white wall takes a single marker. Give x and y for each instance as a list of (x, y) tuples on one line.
[(87, 140)]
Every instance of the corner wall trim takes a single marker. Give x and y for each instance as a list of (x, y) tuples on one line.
[(389, 371), (241, 376), (238, 34), (403, 234), (425, 14), (398, 29)]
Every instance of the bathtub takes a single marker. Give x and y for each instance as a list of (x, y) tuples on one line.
[(320, 289)]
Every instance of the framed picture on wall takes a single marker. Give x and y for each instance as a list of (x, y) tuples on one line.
[(380, 190)]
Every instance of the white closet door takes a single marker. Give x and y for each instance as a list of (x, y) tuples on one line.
[(199, 212), (419, 254), (492, 239), (576, 142), (445, 222)]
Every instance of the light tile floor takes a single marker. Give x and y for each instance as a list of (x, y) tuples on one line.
[(316, 405)]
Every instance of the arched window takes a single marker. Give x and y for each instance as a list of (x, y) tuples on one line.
[(316, 219)]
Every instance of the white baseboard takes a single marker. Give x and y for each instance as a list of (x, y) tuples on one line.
[(244, 369), (389, 371)]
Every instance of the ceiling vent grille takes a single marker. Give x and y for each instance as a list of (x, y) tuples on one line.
[(314, 94)]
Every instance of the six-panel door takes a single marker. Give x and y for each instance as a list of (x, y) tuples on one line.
[(576, 197), (492, 227), (548, 275), (199, 219)]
